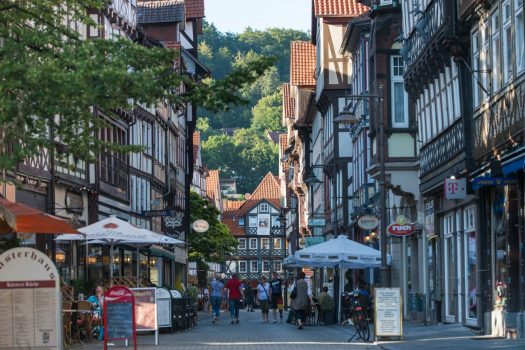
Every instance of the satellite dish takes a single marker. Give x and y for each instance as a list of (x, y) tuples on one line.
[(200, 225)]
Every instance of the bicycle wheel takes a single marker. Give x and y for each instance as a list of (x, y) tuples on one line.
[(361, 325)]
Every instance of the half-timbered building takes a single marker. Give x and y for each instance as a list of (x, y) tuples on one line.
[(255, 223), (436, 81), (493, 235)]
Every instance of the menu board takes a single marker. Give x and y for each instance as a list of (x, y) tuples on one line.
[(388, 316), (120, 320), (145, 309), (29, 301), (163, 307)]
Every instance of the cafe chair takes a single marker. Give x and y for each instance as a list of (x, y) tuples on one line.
[(66, 319), (84, 326)]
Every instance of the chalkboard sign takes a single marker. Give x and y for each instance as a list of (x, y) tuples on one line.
[(120, 321), (119, 315)]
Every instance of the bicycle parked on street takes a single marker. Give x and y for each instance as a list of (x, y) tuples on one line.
[(356, 311)]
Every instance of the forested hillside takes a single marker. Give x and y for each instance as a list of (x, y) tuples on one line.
[(247, 154)]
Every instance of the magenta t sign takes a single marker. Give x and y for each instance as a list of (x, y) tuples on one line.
[(455, 188)]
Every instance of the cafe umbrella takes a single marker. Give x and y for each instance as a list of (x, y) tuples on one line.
[(113, 231)]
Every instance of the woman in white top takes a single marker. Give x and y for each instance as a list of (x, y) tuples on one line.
[(264, 297)]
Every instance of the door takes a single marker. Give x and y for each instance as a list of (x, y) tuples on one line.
[(470, 267), (450, 269)]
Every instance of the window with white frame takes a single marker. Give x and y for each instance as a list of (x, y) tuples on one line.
[(276, 243), (253, 243), (519, 36), (507, 41), (278, 266), (448, 225), (264, 208), (242, 243), (495, 24), (243, 266), (476, 66), (399, 96), (254, 266), (265, 243), (266, 266)]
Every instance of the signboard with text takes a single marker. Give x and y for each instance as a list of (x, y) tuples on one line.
[(119, 315), (368, 222), (163, 307), (316, 222), (145, 308), (401, 227), (388, 320), (30, 301)]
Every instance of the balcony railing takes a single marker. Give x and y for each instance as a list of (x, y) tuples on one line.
[(442, 148), (428, 22), (500, 122)]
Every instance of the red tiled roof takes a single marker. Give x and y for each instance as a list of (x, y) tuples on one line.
[(269, 190), (288, 105), (339, 8), (231, 209), (212, 185), (302, 63), (196, 145), (194, 8)]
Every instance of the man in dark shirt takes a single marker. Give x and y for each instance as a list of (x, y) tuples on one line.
[(277, 297), (235, 294)]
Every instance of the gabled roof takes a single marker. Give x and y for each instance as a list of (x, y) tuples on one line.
[(196, 146), (268, 190), (288, 105), (213, 185), (302, 63), (194, 9), (230, 212), (161, 11), (338, 8)]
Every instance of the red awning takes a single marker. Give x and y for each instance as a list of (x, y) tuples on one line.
[(16, 217)]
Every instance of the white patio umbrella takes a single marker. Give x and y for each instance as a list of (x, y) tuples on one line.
[(340, 251), (115, 231)]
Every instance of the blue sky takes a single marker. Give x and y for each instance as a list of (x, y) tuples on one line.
[(235, 15)]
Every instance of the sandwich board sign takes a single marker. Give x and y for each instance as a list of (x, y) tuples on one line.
[(388, 318), (30, 301), (119, 315)]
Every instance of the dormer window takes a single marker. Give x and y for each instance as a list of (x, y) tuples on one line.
[(264, 208)]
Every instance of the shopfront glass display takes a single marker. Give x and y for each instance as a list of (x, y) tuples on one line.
[(470, 262), (499, 239)]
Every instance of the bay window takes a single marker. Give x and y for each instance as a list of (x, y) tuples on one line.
[(519, 36)]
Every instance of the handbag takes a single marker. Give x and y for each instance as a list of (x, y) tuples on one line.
[(293, 294)]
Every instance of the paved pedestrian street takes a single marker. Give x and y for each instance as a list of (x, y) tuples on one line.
[(252, 334)]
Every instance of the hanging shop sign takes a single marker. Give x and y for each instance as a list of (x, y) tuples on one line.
[(401, 227), (200, 226), (368, 222), (483, 181), (455, 188), (316, 222)]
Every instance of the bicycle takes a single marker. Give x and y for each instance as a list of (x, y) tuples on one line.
[(355, 313)]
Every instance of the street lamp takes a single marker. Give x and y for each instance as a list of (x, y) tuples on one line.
[(345, 117)]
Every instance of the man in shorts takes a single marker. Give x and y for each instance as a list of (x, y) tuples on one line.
[(277, 297)]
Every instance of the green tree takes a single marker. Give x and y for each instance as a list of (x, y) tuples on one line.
[(267, 113), (214, 244), (52, 79)]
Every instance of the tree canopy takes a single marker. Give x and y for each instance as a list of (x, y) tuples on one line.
[(51, 79), (248, 154), (214, 244)]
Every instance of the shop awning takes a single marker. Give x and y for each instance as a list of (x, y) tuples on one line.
[(514, 166), (158, 251), (16, 217)]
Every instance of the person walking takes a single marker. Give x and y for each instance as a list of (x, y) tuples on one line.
[(249, 297), (235, 294), (302, 300), (263, 295), (216, 287), (277, 297)]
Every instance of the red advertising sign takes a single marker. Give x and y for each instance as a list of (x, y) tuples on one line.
[(401, 227), (119, 315), (401, 230)]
